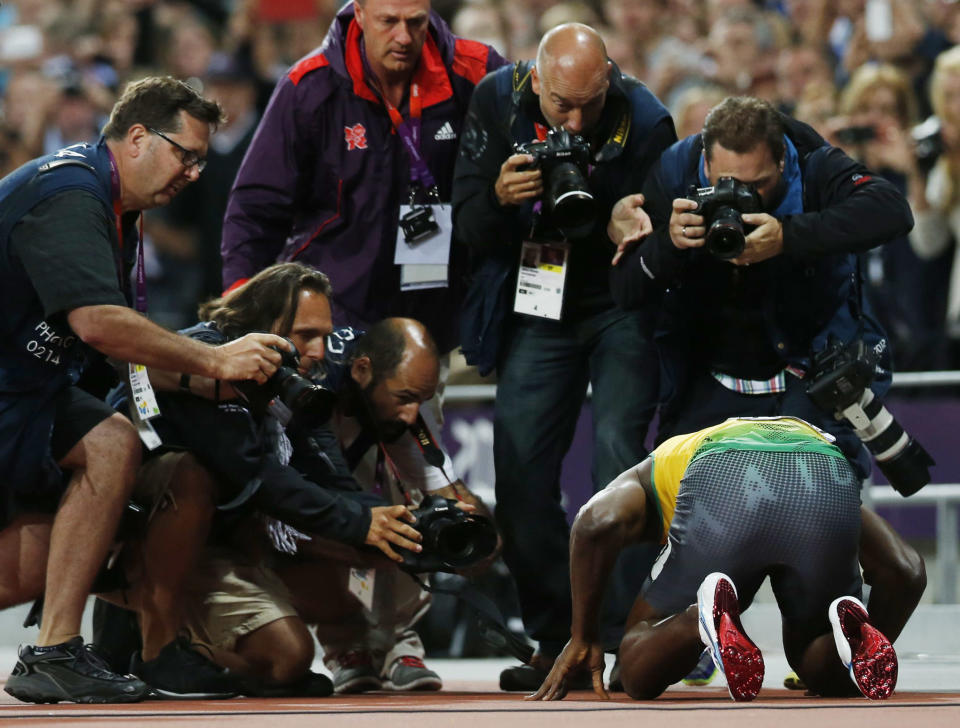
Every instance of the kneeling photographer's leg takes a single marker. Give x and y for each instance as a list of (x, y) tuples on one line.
[(181, 496), (24, 544)]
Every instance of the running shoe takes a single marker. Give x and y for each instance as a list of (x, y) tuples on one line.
[(734, 653), (864, 650)]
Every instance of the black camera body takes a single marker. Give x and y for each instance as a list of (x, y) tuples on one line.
[(564, 160), (840, 384), (417, 224), (452, 539), (288, 394), (721, 207)]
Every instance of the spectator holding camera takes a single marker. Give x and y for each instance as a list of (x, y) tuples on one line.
[(936, 196), (548, 347), (877, 112), (69, 236)]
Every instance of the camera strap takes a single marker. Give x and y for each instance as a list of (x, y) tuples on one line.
[(494, 626), (409, 132), (140, 300)]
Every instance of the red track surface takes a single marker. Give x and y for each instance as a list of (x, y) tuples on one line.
[(479, 704)]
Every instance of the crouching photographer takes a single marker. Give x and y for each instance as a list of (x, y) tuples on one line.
[(287, 501), (547, 149), (746, 335)]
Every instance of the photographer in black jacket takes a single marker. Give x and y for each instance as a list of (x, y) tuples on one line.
[(738, 335), (286, 460), (245, 459), (539, 309)]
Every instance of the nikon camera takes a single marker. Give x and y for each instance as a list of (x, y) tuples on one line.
[(452, 539), (564, 160), (721, 208), (842, 374)]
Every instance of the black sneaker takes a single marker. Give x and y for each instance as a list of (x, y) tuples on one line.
[(181, 672), (529, 679), (311, 685), (71, 672)]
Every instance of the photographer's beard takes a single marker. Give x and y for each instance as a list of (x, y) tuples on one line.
[(362, 406)]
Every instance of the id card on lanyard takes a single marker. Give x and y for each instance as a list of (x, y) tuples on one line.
[(143, 401), (424, 228)]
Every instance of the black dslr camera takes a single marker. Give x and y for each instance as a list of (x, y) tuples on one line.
[(452, 539), (564, 160), (842, 374), (721, 207), (287, 394)]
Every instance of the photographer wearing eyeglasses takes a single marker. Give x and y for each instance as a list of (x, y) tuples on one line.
[(68, 238)]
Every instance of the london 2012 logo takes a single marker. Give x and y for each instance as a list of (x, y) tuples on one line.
[(356, 137)]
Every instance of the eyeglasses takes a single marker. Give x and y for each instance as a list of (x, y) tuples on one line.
[(188, 157)]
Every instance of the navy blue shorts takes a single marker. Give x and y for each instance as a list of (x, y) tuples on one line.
[(792, 516)]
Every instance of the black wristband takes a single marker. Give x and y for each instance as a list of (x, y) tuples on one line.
[(185, 383)]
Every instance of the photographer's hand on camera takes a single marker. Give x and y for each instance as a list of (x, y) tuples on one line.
[(514, 185), (629, 222), (766, 241), (387, 527), (252, 356), (686, 227)]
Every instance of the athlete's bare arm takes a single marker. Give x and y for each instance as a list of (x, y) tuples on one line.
[(614, 518)]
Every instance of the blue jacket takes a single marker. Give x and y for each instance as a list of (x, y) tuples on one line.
[(812, 288), (324, 177), (39, 358), (633, 130)]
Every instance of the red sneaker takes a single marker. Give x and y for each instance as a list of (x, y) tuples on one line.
[(864, 650), (734, 654)]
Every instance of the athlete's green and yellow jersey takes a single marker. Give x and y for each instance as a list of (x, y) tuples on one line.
[(771, 434)]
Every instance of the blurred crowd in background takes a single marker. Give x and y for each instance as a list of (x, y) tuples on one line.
[(880, 78)]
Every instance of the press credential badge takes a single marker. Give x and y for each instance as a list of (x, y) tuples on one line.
[(540, 282), (143, 405), (361, 585)]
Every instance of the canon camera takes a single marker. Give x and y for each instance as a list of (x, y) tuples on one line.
[(564, 161), (452, 538), (288, 394), (842, 374), (721, 207)]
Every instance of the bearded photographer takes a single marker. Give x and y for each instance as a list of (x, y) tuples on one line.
[(274, 461), (549, 146), (742, 328)]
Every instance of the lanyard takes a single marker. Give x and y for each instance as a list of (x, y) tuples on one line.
[(141, 291), (409, 131)]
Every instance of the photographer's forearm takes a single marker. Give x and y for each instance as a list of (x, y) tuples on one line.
[(122, 333), (163, 380)]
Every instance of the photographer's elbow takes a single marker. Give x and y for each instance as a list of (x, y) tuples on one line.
[(89, 324)]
